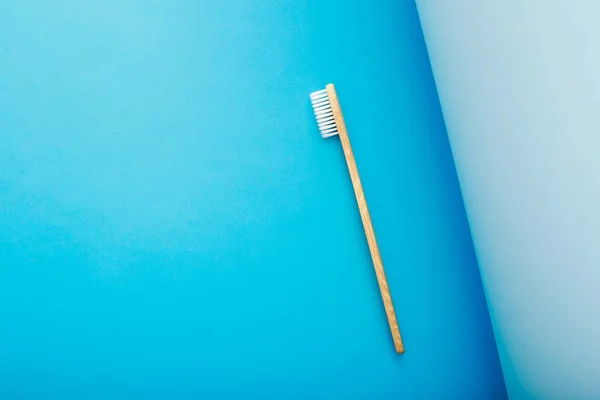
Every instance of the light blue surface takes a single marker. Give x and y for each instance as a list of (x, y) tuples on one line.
[(524, 129), (173, 226)]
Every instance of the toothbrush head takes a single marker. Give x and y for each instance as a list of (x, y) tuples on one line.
[(326, 121)]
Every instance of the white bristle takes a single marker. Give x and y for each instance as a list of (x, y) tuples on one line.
[(323, 113)]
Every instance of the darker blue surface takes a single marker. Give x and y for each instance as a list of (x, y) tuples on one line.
[(173, 226)]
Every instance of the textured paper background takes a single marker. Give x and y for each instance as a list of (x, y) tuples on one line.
[(173, 226)]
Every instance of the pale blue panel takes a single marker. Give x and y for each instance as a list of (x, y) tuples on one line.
[(519, 83)]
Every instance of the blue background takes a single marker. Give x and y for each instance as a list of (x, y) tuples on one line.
[(173, 226)]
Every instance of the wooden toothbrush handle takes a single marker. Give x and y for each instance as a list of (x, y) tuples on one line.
[(366, 219)]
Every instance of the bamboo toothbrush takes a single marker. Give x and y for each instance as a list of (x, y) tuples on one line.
[(331, 122)]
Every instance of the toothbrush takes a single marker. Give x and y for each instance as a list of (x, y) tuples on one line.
[(331, 122)]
